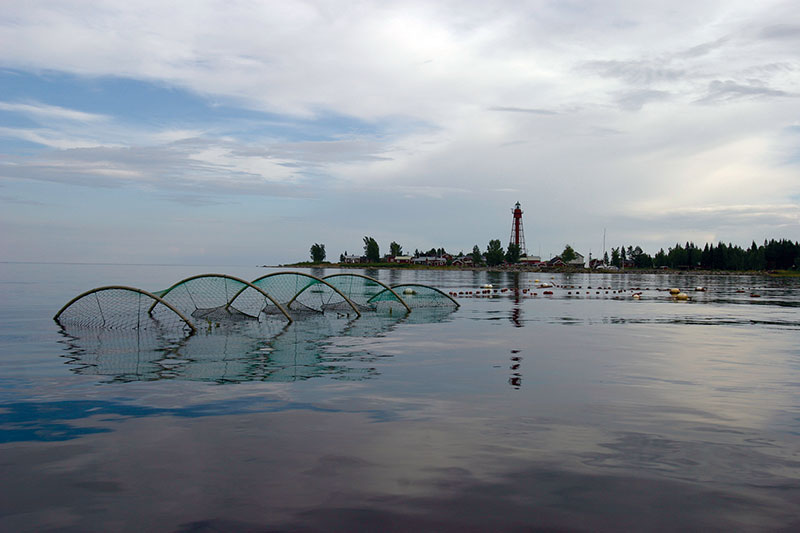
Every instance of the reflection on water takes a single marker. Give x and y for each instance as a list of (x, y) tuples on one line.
[(516, 370), (236, 352)]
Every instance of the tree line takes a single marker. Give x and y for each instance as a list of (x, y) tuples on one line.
[(492, 256), (772, 255)]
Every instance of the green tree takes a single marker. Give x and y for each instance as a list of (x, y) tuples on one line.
[(372, 250), (641, 259), (317, 253), (568, 254), (395, 249), (605, 258), (477, 257), (512, 254), (494, 253), (616, 260), (661, 259)]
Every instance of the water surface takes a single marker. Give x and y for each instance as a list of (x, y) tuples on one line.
[(569, 411)]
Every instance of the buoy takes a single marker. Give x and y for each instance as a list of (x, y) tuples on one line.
[(486, 286), (674, 291), (536, 281), (548, 293), (636, 296), (700, 289), (409, 291), (681, 296), (754, 295)]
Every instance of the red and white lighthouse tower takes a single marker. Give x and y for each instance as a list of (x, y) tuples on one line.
[(517, 235)]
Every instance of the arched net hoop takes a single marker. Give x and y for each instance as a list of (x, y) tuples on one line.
[(207, 298), (361, 290), (300, 293), (418, 296), (121, 307)]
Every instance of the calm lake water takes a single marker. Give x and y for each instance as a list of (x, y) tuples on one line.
[(573, 411)]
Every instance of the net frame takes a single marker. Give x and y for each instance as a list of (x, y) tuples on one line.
[(243, 284), (342, 282), (430, 297), (270, 283), (107, 320)]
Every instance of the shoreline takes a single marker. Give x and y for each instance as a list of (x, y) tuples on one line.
[(521, 268)]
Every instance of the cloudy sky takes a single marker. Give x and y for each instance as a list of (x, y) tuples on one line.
[(242, 132)]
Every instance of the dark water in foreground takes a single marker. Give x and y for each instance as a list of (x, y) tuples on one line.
[(570, 412)]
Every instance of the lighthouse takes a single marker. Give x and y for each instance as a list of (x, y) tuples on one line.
[(517, 235)]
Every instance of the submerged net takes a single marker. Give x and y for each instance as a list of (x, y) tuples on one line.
[(312, 348), (362, 290), (119, 308), (222, 354), (122, 356)]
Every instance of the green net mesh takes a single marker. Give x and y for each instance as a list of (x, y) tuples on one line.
[(209, 298), (122, 356), (236, 353), (418, 296), (206, 300), (361, 290), (301, 293), (119, 308)]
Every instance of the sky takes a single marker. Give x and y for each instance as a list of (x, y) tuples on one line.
[(243, 132)]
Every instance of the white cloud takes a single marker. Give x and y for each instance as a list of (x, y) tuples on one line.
[(50, 112)]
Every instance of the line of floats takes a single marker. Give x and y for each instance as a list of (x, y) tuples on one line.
[(636, 293)]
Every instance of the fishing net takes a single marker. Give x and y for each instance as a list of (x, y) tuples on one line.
[(120, 308), (302, 293), (226, 354), (206, 301), (362, 289), (122, 356), (298, 352), (209, 298), (418, 296)]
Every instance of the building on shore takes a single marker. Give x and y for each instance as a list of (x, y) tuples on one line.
[(578, 261), (531, 260), (353, 259), (430, 261)]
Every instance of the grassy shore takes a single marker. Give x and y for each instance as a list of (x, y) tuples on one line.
[(784, 273)]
